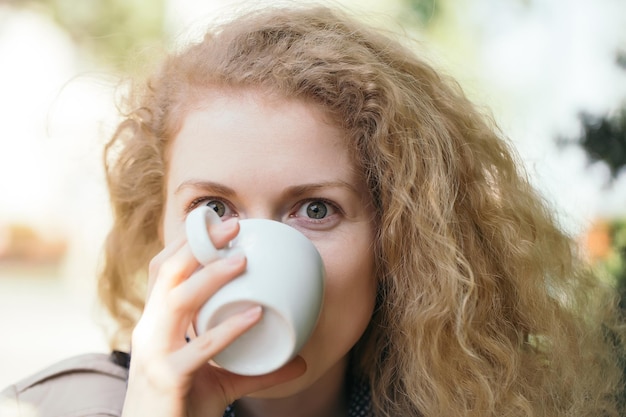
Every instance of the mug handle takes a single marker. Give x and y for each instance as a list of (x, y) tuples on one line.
[(198, 237)]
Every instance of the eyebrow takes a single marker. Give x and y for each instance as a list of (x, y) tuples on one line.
[(302, 189), (296, 190), (209, 186)]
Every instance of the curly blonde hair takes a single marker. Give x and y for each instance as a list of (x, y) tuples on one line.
[(484, 308)]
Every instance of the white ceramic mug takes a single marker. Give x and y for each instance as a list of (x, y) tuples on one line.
[(284, 275)]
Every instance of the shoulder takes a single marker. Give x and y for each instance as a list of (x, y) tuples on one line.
[(87, 385)]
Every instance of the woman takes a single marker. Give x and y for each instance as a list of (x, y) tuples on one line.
[(450, 289)]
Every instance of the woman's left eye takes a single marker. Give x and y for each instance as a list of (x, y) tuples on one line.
[(315, 209)]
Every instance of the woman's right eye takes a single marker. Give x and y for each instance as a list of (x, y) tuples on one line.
[(220, 207)]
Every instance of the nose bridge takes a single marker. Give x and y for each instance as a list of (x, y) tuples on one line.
[(262, 215), (263, 207)]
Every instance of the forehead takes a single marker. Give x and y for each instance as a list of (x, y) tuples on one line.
[(251, 133)]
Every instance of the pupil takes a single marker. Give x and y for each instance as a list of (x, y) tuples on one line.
[(218, 207), (316, 210)]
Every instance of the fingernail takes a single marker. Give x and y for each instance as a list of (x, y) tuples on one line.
[(253, 313)]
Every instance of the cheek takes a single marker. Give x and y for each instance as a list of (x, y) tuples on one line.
[(350, 283)]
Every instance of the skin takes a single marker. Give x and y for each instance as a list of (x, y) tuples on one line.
[(254, 155)]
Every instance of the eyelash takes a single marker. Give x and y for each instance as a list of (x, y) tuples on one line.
[(196, 202), (302, 203)]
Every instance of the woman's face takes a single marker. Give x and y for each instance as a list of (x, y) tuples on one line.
[(253, 156)]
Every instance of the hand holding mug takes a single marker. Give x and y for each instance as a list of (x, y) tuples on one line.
[(173, 378)]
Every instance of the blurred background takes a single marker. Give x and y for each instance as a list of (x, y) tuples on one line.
[(553, 72)]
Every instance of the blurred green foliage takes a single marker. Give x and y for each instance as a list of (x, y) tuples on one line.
[(614, 264), (422, 12), (109, 32), (604, 139)]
